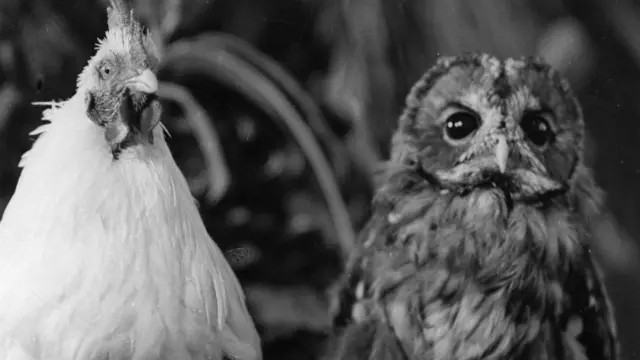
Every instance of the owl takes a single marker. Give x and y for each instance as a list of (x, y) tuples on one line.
[(477, 246)]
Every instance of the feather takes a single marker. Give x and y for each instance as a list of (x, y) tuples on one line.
[(117, 254), (108, 257), (462, 270)]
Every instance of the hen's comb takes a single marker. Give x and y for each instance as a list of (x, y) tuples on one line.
[(120, 15)]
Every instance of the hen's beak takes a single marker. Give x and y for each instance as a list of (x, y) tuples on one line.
[(139, 111), (146, 82), (501, 152)]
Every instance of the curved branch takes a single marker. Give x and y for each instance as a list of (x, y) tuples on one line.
[(235, 72), (280, 78), (218, 174)]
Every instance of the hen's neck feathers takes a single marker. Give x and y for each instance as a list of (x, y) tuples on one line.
[(71, 160), (89, 236)]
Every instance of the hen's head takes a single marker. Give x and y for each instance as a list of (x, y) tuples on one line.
[(119, 83), (476, 121)]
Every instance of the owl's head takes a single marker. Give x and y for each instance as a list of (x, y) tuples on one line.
[(474, 121)]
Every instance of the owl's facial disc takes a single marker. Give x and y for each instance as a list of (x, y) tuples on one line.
[(498, 157), (474, 121)]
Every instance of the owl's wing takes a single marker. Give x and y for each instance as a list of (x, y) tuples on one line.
[(589, 300), (344, 291), (590, 304), (361, 332), (368, 335), (370, 339), (361, 336)]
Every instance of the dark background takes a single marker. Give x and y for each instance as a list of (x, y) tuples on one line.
[(356, 60)]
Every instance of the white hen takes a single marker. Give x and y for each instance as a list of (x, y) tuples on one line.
[(103, 254)]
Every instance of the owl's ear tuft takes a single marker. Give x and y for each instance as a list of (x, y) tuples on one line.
[(371, 339)]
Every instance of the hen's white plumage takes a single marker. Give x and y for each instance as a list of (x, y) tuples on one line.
[(110, 259)]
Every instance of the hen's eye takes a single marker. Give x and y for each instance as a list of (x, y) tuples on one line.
[(536, 127), (460, 125), (106, 70)]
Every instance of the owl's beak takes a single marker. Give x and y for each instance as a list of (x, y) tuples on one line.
[(502, 152)]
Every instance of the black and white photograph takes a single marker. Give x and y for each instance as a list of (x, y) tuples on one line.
[(319, 179)]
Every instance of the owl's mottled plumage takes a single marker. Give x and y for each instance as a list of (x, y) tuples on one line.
[(478, 243)]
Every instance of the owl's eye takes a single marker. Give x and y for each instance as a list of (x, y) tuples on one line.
[(461, 124), (537, 128)]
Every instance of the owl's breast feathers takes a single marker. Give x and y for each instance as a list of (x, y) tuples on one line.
[(468, 277)]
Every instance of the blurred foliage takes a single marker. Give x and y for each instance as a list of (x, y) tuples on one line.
[(280, 132)]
